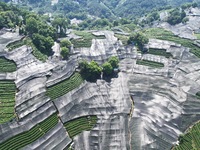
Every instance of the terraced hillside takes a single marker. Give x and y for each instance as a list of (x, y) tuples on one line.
[(65, 86), (76, 126), (25, 138)]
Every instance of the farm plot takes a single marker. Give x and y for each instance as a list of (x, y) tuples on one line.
[(76, 126), (21, 140), (160, 52), (7, 65), (150, 63), (191, 140), (65, 86), (7, 101)]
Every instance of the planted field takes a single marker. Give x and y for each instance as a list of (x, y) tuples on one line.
[(150, 63), (76, 126), (162, 34), (7, 65), (7, 101), (25, 138), (160, 52), (65, 86), (85, 40), (191, 140)]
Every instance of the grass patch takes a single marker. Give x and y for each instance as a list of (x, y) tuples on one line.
[(160, 52), (85, 40), (65, 86), (7, 65), (150, 63), (21, 140), (162, 34), (7, 100), (122, 38), (190, 140), (76, 126)]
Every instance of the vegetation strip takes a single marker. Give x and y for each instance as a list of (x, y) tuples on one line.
[(7, 65), (21, 140), (65, 86), (190, 140), (160, 52), (76, 126), (7, 100), (150, 63)]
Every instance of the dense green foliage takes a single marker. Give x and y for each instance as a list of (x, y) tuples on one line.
[(110, 9), (114, 61), (65, 43), (90, 71), (162, 34), (64, 52), (176, 16), (7, 65), (139, 39), (65, 48), (85, 40), (190, 140), (76, 126), (150, 63), (107, 69), (9, 16), (19, 141), (65, 86), (7, 100), (160, 52)]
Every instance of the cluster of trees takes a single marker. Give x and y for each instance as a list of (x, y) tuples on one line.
[(65, 48), (102, 23), (139, 40), (9, 16), (42, 34), (60, 23), (176, 16), (92, 71), (154, 16)]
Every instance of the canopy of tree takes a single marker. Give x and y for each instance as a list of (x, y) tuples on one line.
[(138, 39), (176, 16), (90, 71)]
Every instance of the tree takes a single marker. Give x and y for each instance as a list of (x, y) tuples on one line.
[(90, 71), (64, 52), (107, 69), (65, 43), (31, 25), (139, 39), (114, 62), (43, 43), (176, 16)]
